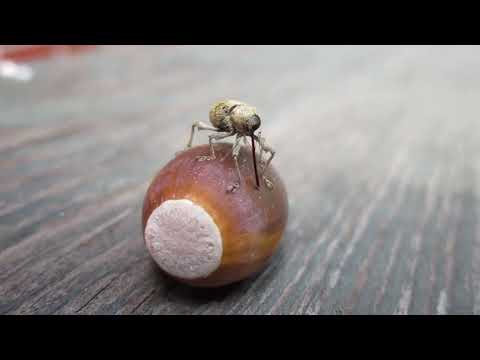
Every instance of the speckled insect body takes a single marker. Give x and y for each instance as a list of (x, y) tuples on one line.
[(234, 118)]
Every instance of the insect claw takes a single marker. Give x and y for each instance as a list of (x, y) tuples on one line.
[(268, 183), (205, 158), (233, 188)]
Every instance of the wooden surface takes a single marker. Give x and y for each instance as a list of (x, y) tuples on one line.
[(379, 148)]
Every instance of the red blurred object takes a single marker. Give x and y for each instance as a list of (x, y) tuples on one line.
[(26, 53)]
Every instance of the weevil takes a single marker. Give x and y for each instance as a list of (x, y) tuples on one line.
[(234, 118)]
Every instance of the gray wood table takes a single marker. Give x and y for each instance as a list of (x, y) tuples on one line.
[(378, 147)]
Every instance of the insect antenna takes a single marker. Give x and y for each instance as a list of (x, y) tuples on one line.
[(255, 162)]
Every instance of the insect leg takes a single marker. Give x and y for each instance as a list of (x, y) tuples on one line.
[(235, 151), (212, 150), (264, 147), (272, 154), (262, 163), (200, 126)]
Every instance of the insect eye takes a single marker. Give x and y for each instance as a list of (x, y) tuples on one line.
[(255, 122)]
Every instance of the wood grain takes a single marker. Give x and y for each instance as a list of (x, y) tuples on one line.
[(378, 147)]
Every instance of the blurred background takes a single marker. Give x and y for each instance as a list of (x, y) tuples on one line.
[(378, 147)]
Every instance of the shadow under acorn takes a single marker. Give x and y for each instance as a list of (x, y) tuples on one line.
[(195, 300)]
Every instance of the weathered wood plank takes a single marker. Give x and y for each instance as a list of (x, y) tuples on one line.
[(378, 147)]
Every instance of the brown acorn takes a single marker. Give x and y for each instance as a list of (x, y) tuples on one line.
[(203, 234)]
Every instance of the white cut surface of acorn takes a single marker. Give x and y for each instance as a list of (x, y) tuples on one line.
[(184, 240)]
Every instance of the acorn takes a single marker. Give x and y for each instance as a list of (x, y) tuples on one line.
[(205, 232)]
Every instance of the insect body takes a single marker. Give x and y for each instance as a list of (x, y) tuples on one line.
[(234, 118)]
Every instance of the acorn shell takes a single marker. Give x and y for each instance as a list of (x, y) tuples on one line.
[(251, 221)]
